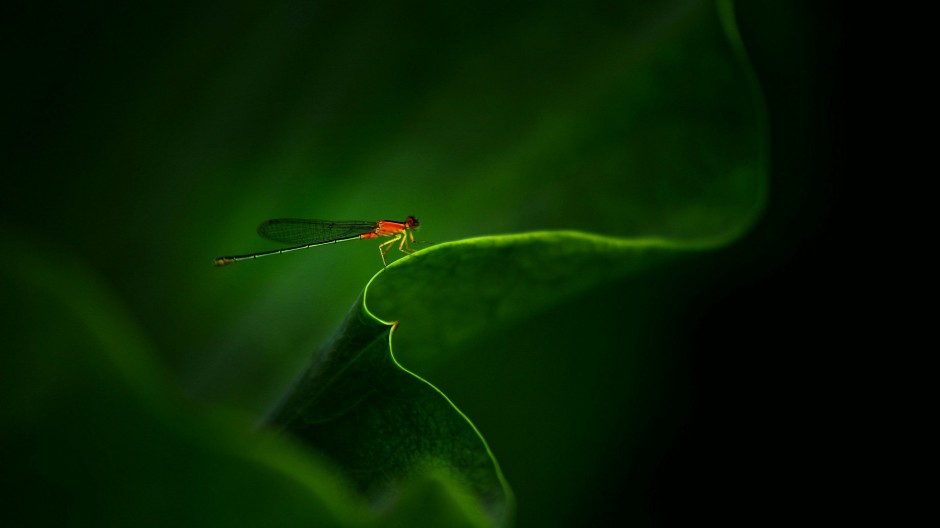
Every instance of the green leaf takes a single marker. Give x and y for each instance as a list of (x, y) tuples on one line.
[(454, 292), (385, 426)]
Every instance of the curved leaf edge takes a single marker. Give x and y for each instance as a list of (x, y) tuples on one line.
[(507, 489), (610, 243), (729, 25)]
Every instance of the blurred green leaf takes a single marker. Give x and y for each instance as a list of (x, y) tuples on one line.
[(94, 435), (632, 119)]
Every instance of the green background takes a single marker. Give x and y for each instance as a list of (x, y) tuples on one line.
[(141, 142)]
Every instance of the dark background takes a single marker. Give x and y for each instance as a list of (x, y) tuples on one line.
[(751, 336), (761, 432)]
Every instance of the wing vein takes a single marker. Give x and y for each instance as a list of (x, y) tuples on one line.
[(299, 231)]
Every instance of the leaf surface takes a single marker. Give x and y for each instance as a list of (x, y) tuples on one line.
[(384, 425)]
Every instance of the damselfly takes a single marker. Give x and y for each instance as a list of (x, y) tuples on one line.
[(309, 233)]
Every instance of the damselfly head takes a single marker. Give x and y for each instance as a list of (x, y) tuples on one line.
[(412, 222)]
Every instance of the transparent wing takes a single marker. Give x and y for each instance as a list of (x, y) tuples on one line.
[(298, 231)]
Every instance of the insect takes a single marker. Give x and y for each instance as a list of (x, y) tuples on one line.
[(310, 233)]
